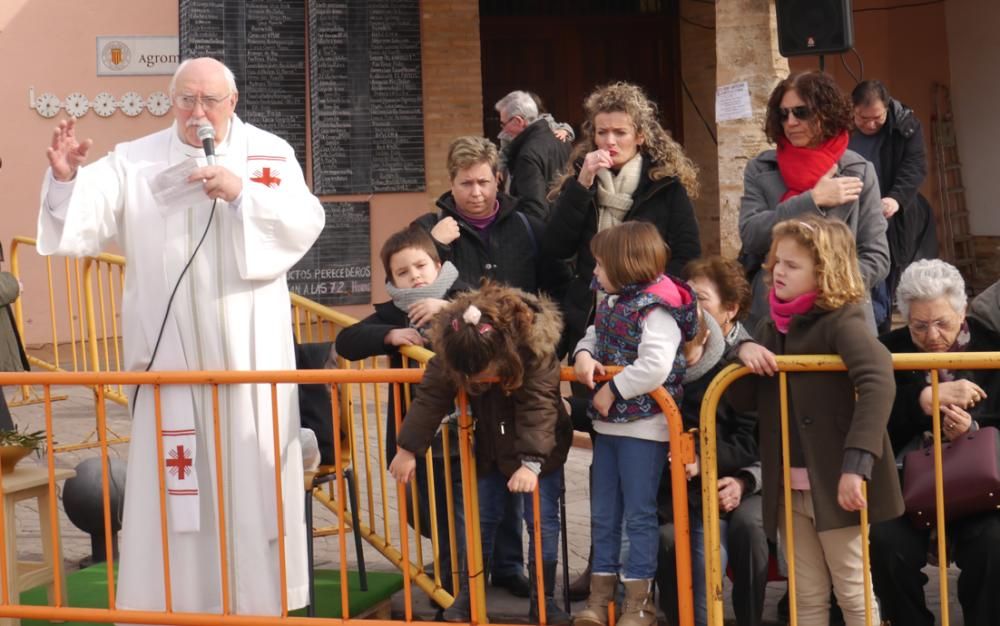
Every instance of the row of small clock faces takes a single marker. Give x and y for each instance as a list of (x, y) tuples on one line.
[(103, 104)]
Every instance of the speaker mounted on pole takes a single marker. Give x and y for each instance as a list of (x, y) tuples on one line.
[(814, 27)]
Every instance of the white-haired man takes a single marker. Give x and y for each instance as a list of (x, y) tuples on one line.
[(205, 290), (533, 155)]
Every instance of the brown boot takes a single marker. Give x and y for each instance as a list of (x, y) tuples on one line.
[(602, 591), (638, 609)]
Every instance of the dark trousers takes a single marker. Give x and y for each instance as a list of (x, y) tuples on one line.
[(6, 422), (746, 546), (899, 553), (441, 512)]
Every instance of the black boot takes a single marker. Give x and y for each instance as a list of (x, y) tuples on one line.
[(579, 589), (459, 610), (553, 613)]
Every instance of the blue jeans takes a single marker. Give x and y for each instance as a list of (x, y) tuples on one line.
[(626, 478), (492, 498), (698, 563), (508, 555)]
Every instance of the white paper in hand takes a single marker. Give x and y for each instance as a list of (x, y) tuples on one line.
[(172, 190)]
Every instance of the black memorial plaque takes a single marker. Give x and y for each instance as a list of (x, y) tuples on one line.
[(396, 96), (264, 46), (337, 269), (339, 143), (202, 29), (367, 108)]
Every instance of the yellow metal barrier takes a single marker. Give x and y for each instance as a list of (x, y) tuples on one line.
[(816, 363), (93, 291), (69, 288)]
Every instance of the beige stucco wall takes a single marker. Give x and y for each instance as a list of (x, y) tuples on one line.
[(974, 50)]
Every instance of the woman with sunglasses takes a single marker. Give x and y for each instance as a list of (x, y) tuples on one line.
[(810, 173)]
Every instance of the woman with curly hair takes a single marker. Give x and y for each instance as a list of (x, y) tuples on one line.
[(625, 167), (810, 173)]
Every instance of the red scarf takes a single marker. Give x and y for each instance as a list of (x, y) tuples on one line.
[(801, 168), (782, 311)]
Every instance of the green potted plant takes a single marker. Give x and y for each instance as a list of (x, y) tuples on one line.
[(16, 444)]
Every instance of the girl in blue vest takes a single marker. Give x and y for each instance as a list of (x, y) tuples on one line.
[(643, 320)]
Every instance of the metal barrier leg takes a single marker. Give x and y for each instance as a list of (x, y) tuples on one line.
[(311, 609), (348, 477), (565, 544)]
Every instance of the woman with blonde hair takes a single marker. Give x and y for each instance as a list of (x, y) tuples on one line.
[(624, 168)]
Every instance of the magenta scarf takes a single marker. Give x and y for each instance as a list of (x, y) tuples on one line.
[(782, 311)]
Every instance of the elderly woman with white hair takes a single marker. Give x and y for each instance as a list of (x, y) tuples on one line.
[(931, 297)]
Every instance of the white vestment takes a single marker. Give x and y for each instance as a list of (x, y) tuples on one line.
[(231, 312)]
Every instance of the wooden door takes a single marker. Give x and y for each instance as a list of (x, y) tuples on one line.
[(563, 53)]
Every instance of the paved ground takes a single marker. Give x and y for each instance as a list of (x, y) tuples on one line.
[(75, 422)]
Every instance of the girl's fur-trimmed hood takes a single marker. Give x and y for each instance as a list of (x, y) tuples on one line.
[(540, 337), (547, 329)]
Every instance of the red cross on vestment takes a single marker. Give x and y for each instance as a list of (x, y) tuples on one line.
[(178, 463), (266, 179)]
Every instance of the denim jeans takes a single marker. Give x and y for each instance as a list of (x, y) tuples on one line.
[(626, 478), (492, 496), (508, 543)]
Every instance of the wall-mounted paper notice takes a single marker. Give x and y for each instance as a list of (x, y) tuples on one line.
[(732, 102)]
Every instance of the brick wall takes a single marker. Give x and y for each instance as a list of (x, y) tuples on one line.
[(453, 92)]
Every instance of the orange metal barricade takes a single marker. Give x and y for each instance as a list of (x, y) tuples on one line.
[(93, 288), (681, 453), (788, 365)]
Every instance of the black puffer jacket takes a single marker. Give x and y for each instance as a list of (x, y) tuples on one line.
[(511, 256), (367, 338), (663, 202), (535, 158)]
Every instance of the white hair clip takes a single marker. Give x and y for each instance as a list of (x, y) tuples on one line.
[(472, 315)]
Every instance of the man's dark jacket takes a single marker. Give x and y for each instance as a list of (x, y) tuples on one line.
[(535, 158), (902, 168)]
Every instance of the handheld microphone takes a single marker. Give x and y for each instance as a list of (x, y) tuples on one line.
[(207, 135)]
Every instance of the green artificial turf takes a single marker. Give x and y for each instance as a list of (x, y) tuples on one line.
[(88, 588)]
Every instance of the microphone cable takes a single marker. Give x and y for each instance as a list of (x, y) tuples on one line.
[(170, 301)]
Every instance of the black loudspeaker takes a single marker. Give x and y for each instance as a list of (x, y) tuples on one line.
[(814, 27)]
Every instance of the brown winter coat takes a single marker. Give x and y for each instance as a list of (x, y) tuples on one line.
[(529, 424), (827, 416)]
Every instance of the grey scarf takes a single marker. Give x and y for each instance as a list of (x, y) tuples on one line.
[(405, 298), (715, 346)]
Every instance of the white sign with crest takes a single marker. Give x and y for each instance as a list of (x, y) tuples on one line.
[(137, 55)]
